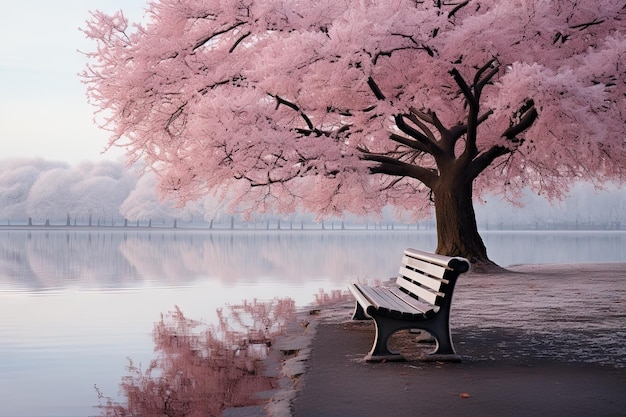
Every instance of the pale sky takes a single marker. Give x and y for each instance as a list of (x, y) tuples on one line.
[(43, 106)]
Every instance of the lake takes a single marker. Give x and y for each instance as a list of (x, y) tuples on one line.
[(75, 304)]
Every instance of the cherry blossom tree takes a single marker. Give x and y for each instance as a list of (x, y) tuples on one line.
[(339, 106)]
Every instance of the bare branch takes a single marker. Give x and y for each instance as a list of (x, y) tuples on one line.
[(429, 117), (390, 52)]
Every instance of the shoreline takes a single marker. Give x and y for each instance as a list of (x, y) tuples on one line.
[(557, 318)]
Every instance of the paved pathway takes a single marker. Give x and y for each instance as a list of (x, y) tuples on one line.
[(543, 341)]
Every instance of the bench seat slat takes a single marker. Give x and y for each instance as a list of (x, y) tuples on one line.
[(391, 301), (423, 293), (455, 263), (430, 282), (382, 298), (396, 306), (430, 269), (422, 310), (357, 292), (414, 303)]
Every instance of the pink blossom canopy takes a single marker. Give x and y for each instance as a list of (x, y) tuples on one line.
[(273, 104)]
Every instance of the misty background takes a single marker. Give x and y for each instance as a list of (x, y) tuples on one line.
[(108, 193)]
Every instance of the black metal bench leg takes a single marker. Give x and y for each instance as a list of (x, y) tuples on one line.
[(444, 352), (385, 327), (359, 313), (444, 345), (445, 349)]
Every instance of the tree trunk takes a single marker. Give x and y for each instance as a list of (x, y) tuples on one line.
[(457, 231)]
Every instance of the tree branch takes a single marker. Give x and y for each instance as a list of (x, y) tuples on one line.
[(583, 26), (391, 166), (527, 116), (237, 42), (459, 130), (457, 8), (430, 146), (410, 143), (418, 121), (465, 89), (375, 89), (481, 78), (482, 161), (207, 38), (173, 117), (280, 100), (390, 52), (479, 83), (431, 118)]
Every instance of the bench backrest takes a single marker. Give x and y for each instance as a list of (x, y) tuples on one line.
[(428, 276)]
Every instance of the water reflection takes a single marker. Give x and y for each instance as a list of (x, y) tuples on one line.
[(43, 260), (202, 369)]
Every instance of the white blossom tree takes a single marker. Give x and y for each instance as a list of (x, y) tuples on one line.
[(17, 176)]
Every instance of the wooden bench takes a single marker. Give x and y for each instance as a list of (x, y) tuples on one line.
[(420, 298)]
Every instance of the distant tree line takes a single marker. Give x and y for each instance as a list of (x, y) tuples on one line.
[(38, 192)]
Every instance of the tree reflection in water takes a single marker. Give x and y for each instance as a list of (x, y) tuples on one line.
[(201, 369)]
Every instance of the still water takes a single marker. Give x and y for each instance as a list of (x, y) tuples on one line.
[(75, 304)]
